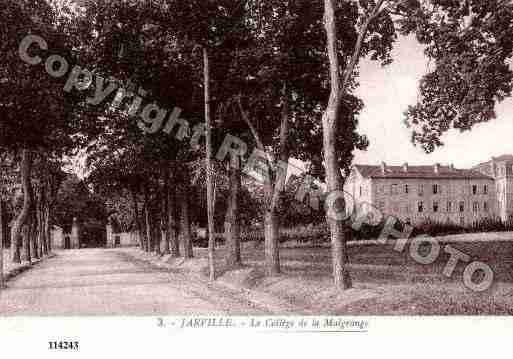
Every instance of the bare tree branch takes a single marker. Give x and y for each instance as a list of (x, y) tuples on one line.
[(358, 48), (254, 132)]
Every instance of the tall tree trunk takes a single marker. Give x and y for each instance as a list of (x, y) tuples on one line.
[(53, 189), (272, 242), (275, 187), (47, 245), (26, 166), (2, 239), (334, 181), (271, 187), (173, 228), (210, 188), (157, 225), (155, 234), (34, 237), (26, 252), (147, 223), (137, 219), (232, 222), (275, 193), (185, 226), (157, 237), (149, 237), (41, 230), (164, 217)]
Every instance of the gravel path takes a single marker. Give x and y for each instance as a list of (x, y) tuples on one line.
[(105, 282)]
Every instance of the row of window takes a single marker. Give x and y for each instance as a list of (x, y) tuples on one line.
[(462, 221), (435, 188), (502, 170), (449, 207)]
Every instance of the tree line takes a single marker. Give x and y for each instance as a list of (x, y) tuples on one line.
[(278, 75)]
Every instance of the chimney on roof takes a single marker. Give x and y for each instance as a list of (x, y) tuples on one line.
[(405, 167), (383, 168), (452, 166), (437, 168)]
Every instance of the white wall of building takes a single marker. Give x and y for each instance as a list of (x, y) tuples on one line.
[(460, 201), (123, 239), (418, 200)]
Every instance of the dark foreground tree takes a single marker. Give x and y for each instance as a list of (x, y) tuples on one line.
[(36, 114)]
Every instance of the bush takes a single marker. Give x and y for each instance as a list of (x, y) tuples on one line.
[(301, 233), (319, 233), (432, 228)]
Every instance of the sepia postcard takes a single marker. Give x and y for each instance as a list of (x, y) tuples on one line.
[(309, 175)]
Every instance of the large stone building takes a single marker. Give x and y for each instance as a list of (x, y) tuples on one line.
[(501, 170), (416, 194)]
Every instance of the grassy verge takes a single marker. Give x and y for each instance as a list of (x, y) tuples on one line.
[(385, 282)]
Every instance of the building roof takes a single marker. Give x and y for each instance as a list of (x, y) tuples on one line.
[(503, 158), (444, 172), (508, 158)]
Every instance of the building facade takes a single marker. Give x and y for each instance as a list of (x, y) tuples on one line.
[(62, 240), (418, 194), (501, 170)]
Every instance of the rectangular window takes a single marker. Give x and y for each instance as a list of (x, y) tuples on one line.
[(449, 206), (462, 221), (475, 207), (393, 189), (421, 207), (435, 189), (406, 189), (435, 206), (381, 205), (462, 206), (421, 190), (485, 206), (407, 208), (474, 190), (360, 191), (485, 189)]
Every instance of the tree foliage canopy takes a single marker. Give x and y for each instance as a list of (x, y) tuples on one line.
[(470, 46)]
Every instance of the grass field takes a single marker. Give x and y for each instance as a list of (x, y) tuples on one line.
[(385, 281)]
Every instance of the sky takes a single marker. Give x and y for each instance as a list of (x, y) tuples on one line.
[(387, 92)]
